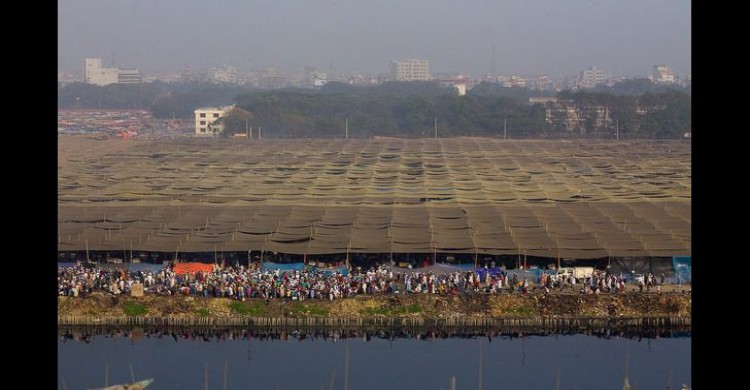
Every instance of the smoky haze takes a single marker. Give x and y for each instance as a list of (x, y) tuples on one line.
[(554, 37)]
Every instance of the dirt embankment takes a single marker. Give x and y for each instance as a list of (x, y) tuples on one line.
[(416, 305)]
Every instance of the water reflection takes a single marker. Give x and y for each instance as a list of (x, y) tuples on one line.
[(86, 334), (396, 358)]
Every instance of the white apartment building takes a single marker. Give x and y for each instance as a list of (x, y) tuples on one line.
[(663, 75), (515, 82), (205, 119), (128, 76), (410, 70), (94, 73), (225, 74), (591, 78)]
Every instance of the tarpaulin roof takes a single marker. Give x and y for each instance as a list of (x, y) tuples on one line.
[(569, 199)]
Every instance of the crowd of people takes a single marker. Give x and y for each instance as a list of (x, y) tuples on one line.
[(240, 282), (600, 282)]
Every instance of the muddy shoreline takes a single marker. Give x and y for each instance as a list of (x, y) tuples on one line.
[(506, 311)]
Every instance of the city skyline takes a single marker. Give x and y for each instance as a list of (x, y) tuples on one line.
[(556, 38), (309, 77)]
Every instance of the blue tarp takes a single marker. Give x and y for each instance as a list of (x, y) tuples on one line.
[(270, 266), (455, 267), (682, 269), (482, 272)]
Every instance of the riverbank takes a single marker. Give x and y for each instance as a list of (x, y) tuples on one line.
[(379, 310)]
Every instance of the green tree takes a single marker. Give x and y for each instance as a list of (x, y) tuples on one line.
[(670, 117), (236, 120), (176, 104), (113, 96)]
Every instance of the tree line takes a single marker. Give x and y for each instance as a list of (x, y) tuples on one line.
[(632, 109)]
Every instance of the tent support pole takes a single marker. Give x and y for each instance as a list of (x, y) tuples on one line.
[(518, 261), (524, 260)]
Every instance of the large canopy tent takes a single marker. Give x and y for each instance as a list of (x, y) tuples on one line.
[(579, 199)]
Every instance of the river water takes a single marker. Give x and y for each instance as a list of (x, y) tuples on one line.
[(376, 359)]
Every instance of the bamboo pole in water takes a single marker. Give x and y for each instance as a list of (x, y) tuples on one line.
[(226, 366), (480, 366), (346, 366), (333, 379)]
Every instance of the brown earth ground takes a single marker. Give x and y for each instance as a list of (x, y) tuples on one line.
[(673, 302)]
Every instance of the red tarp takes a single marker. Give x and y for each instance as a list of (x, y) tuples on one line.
[(189, 268)]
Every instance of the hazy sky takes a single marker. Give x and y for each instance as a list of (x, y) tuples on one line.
[(554, 37)]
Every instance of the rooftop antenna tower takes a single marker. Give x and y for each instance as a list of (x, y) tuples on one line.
[(494, 65)]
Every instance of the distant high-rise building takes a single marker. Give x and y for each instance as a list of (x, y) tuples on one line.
[(514, 82), (94, 73), (591, 78), (128, 76), (663, 75), (541, 82), (410, 70), (224, 74)]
